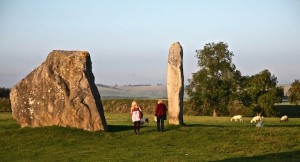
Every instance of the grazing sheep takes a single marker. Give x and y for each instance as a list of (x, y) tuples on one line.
[(236, 118), (284, 119), (256, 118)]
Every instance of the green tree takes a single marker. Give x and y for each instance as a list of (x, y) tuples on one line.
[(294, 92), (268, 99), (214, 85), (260, 93)]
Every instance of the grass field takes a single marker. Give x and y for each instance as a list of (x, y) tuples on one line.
[(201, 139)]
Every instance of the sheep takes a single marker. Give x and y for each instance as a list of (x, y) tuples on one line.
[(284, 119), (236, 118), (256, 118)]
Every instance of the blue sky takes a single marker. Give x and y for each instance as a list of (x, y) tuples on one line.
[(129, 39)]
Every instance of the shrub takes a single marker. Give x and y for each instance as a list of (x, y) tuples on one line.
[(148, 106), (5, 105)]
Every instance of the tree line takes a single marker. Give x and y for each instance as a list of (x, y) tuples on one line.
[(219, 89), (4, 99), (4, 92)]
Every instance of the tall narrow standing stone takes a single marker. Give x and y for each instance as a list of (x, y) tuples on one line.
[(175, 84)]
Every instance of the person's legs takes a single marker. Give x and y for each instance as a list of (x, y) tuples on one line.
[(135, 127), (158, 118), (162, 124), (138, 127)]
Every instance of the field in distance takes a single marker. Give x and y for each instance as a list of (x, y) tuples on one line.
[(140, 91), (132, 91)]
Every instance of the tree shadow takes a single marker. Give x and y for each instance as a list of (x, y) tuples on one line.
[(293, 156)]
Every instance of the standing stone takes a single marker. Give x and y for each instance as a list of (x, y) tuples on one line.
[(175, 84), (61, 91)]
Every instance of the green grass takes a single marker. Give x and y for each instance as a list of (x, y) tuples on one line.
[(202, 139)]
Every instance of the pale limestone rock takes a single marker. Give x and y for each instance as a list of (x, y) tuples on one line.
[(175, 84), (61, 91)]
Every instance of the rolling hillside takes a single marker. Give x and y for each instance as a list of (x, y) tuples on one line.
[(143, 91)]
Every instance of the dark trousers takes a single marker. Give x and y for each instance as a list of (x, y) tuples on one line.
[(160, 123), (136, 126)]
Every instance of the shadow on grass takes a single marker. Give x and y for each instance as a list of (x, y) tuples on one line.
[(203, 125), (119, 128), (274, 157), (144, 129), (252, 125), (296, 125)]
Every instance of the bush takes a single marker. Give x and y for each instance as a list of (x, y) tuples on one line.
[(292, 111), (148, 106), (123, 105), (5, 105)]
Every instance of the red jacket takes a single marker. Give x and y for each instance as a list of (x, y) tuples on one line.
[(160, 110)]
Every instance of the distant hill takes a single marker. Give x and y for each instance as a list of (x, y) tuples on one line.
[(132, 91), (144, 91)]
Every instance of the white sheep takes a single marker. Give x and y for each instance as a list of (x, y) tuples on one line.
[(236, 118), (284, 118), (256, 118)]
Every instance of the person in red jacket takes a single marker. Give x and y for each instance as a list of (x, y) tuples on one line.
[(161, 115)]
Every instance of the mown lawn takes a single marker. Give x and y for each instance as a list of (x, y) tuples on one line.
[(202, 139)]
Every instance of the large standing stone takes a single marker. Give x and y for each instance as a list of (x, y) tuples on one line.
[(175, 84), (61, 91)]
